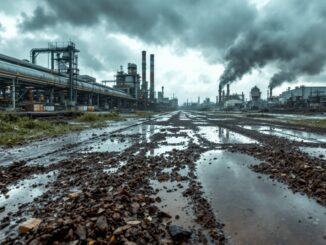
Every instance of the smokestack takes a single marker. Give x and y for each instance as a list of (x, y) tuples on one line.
[(270, 93), (223, 95), (163, 91), (144, 83), (151, 95), (228, 90), (143, 65), (219, 94)]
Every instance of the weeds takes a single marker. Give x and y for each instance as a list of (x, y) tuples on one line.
[(98, 117), (14, 130), (144, 113)]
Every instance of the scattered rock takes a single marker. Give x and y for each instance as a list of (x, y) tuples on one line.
[(74, 195), (102, 224), (29, 225), (178, 233)]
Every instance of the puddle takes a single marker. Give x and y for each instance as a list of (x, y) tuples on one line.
[(220, 135), (173, 202), (191, 134), (41, 151), (183, 117), (221, 119), (200, 123), (176, 140), (299, 117), (258, 210), (314, 151), (164, 149), (290, 134), (112, 170), (109, 145), (22, 193)]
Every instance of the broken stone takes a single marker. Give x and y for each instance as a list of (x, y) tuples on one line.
[(178, 233), (102, 223), (81, 231), (135, 222), (74, 195), (29, 225), (121, 229)]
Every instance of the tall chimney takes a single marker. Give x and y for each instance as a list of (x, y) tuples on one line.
[(219, 94), (151, 95), (270, 92), (228, 90), (144, 85), (223, 95)]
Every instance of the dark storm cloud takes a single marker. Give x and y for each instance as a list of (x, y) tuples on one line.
[(202, 24), (106, 57), (285, 33), (289, 34), (150, 20), (41, 19)]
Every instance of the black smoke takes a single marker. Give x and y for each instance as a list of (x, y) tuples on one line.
[(210, 25), (280, 77), (288, 34)]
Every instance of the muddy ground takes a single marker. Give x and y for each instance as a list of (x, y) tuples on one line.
[(176, 178)]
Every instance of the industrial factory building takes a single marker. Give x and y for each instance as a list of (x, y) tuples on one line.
[(256, 102), (230, 101), (26, 86), (304, 97)]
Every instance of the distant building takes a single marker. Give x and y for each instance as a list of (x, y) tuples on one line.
[(255, 94), (164, 103), (129, 82), (233, 104), (256, 103), (304, 96)]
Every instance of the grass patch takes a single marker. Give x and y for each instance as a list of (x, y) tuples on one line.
[(144, 113), (90, 117), (14, 130), (309, 123)]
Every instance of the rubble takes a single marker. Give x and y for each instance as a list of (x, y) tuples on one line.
[(88, 205), (29, 225), (178, 233)]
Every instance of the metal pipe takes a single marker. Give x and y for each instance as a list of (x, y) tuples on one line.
[(11, 70)]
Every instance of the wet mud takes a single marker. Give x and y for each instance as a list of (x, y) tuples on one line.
[(177, 178)]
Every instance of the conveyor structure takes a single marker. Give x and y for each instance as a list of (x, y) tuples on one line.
[(22, 82)]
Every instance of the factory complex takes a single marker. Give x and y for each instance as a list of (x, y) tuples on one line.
[(26, 86), (301, 98)]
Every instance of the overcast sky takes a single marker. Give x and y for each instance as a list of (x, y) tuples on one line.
[(197, 43)]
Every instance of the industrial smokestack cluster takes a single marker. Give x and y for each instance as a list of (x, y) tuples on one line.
[(144, 82), (151, 77), (151, 94)]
